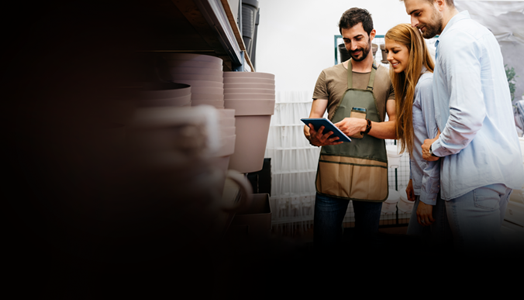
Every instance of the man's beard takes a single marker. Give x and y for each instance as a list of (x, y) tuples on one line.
[(433, 29), (365, 52)]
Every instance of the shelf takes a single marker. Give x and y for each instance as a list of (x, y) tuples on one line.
[(194, 26)]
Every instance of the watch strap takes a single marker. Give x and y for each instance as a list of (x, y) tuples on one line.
[(368, 127)]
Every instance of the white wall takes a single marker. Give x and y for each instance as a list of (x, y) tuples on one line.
[(296, 37), (506, 20)]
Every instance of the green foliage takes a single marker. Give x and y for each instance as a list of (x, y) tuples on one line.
[(510, 74)]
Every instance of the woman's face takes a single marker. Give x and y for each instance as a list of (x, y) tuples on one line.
[(398, 55)]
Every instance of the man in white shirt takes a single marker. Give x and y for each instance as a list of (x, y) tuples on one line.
[(481, 159)]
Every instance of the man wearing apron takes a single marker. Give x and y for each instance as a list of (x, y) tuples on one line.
[(357, 94)]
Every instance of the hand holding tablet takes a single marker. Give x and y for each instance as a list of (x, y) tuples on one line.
[(328, 126)]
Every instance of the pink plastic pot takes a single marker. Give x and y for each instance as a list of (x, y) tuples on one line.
[(249, 86), (240, 80), (215, 104), (250, 144), (250, 107), (248, 97), (249, 91), (197, 84), (193, 57), (201, 71), (179, 77), (249, 75)]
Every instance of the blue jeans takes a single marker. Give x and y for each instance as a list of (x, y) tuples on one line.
[(475, 218), (330, 212), (438, 234)]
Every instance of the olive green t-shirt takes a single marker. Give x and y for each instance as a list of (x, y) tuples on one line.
[(332, 85)]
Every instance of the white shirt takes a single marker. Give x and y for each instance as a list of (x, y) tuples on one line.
[(424, 174), (478, 142)]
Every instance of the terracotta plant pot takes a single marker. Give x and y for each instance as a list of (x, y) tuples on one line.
[(189, 70), (215, 104), (192, 57), (249, 86), (227, 148), (153, 101), (178, 77), (249, 91), (238, 80), (260, 75), (199, 84), (248, 97), (204, 97), (251, 107), (153, 131), (250, 144), (206, 90), (167, 89), (390, 205), (164, 94), (226, 122), (227, 130), (226, 117), (384, 55), (226, 113)]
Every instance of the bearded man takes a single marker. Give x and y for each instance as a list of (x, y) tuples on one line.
[(355, 170), (478, 144)]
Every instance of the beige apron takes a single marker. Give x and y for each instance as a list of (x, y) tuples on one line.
[(356, 170)]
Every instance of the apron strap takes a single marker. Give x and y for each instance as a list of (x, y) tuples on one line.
[(371, 77), (350, 74)]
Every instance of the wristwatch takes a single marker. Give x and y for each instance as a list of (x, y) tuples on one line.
[(368, 127)]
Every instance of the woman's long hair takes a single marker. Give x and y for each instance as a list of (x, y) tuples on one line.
[(404, 83)]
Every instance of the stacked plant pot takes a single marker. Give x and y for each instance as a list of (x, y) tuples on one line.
[(202, 72), (183, 152), (252, 96), (227, 133), (164, 94), (205, 76)]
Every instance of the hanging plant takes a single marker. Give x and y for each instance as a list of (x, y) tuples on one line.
[(511, 76)]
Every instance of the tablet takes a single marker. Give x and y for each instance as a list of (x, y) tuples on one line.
[(328, 126)]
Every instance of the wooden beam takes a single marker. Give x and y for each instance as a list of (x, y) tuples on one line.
[(236, 31)]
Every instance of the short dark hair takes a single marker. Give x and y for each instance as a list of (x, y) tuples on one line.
[(353, 16), (450, 3)]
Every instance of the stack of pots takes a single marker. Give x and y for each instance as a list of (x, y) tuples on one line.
[(165, 94), (393, 156), (227, 133), (249, 23), (252, 96), (202, 72), (390, 205), (404, 205), (177, 152), (384, 59)]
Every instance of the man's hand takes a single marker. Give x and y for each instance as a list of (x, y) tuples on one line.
[(425, 149), (425, 214), (352, 126), (410, 191), (318, 138)]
